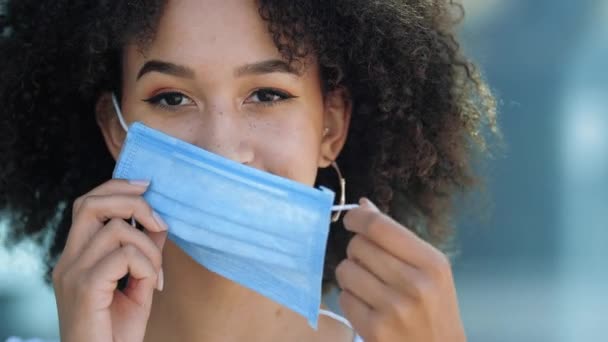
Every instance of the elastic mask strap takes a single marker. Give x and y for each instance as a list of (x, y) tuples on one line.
[(119, 113), (125, 127)]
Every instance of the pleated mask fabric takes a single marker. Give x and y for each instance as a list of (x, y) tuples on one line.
[(262, 231)]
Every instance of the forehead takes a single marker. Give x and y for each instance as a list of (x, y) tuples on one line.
[(210, 34)]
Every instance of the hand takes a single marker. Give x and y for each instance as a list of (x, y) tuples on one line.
[(102, 248), (396, 286)]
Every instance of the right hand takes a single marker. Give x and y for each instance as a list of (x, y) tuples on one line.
[(102, 248)]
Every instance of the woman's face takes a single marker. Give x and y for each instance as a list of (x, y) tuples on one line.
[(213, 77)]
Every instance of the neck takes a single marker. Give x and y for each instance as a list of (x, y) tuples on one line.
[(199, 305)]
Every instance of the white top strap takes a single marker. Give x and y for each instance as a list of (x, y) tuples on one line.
[(341, 320), (335, 316)]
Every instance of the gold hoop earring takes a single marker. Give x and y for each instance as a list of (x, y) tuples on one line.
[(336, 216)]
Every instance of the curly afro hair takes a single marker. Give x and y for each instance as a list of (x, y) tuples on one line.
[(420, 106)]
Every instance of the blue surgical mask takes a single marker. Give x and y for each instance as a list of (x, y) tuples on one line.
[(262, 231)]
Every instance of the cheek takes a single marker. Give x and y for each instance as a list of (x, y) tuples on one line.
[(290, 148)]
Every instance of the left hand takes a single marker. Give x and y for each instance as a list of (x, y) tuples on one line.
[(396, 286)]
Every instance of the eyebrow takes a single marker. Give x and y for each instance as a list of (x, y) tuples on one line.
[(166, 68), (264, 67)]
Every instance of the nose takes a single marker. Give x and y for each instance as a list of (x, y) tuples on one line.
[(226, 132)]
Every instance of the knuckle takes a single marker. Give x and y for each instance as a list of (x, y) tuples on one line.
[(112, 230), (422, 289), (400, 308), (396, 267), (342, 270), (129, 251), (441, 266), (114, 227), (344, 267), (444, 262), (77, 203), (86, 203)]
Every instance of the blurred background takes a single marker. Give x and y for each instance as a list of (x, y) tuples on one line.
[(533, 268)]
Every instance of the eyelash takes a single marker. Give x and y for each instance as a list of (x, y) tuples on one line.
[(283, 96), (156, 99)]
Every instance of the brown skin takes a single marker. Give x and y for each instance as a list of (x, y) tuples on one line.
[(397, 287)]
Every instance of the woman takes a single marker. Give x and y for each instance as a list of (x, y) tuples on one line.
[(380, 87)]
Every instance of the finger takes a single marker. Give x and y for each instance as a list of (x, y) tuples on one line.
[(388, 234), (96, 210), (356, 280), (159, 238), (115, 234), (99, 209), (356, 311), (128, 260), (114, 186), (391, 271)]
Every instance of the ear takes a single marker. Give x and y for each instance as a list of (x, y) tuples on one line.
[(113, 133), (338, 108)]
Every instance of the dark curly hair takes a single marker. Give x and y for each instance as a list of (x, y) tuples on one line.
[(419, 105)]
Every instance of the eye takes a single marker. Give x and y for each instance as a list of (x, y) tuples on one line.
[(268, 96), (170, 99)]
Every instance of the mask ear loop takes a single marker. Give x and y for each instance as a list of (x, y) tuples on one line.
[(341, 205), (126, 128), (119, 113)]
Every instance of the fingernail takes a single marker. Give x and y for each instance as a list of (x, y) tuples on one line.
[(139, 182), (161, 280), (163, 225)]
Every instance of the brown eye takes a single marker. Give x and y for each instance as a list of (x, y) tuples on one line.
[(268, 96), (170, 99)]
